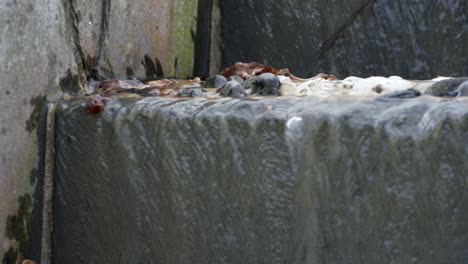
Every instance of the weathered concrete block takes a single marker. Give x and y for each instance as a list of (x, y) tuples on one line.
[(418, 39), (262, 181)]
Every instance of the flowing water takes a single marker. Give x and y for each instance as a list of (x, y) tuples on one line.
[(272, 180)]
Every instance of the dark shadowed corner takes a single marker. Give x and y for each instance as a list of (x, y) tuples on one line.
[(153, 69), (202, 39)]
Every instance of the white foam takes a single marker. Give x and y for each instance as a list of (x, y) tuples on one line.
[(293, 122), (441, 78), (350, 86)]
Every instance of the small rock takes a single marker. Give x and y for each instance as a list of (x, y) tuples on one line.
[(191, 92), (445, 88), (378, 88), (463, 89), (264, 84), (216, 81), (404, 94), (233, 89), (251, 83), (236, 78)]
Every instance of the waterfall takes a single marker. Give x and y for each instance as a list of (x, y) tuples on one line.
[(272, 180)]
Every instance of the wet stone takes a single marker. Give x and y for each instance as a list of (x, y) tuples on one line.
[(192, 92), (445, 88), (405, 94), (251, 83), (378, 89), (264, 84), (236, 78), (393, 157), (233, 89), (216, 81), (463, 89)]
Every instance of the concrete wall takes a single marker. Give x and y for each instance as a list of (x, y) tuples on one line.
[(278, 180), (50, 47), (412, 38)]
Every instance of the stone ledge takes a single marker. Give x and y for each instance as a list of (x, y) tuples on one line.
[(276, 180)]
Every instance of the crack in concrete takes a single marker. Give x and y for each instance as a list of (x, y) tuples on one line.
[(330, 42), (88, 69), (103, 35), (72, 22)]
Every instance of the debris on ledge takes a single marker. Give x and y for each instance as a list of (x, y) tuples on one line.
[(256, 79)]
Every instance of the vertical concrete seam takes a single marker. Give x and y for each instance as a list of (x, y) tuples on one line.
[(203, 38), (103, 36), (72, 23), (47, 224), (216, 40)]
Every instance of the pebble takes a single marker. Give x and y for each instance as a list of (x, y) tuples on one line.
[(251, 83), (216, 81), (445, 88), (192, 92), (233, 89), (404, 94), (264, 84), (236, 78)]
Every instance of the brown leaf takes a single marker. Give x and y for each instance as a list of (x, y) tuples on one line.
[(286, 72), (164, 92), (247, 70), (107, 85), (113, 86), (97, 104), (162, 83)]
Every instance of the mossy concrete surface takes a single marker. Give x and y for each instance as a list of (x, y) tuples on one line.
[(48, 48)]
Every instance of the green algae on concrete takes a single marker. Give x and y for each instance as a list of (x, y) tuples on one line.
[(38, 102), (183, 27), (18, 228), (53, 48)]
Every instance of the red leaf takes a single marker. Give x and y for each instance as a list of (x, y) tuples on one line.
[(247, 70), (97, 104)]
